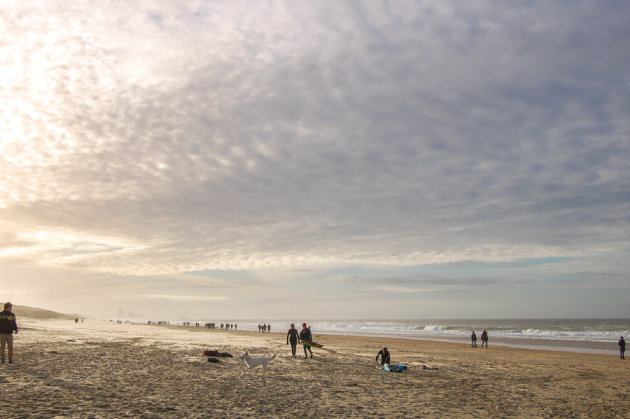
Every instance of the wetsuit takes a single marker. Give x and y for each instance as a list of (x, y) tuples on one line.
[(385, 359), (622, 348), (292, 336), (306, 338)]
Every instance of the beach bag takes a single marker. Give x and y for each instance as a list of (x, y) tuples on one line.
[(394, 368)]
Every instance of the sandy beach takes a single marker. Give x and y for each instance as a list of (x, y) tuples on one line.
[(105, 369)]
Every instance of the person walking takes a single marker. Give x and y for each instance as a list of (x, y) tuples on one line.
[(622, 348), (306, 338), (473, 337), (8, 326), (294, 338), (484, 339)]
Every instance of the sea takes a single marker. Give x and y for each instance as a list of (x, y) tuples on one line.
[(573, 335)]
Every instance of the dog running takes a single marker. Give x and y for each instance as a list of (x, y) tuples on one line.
[(254, 362)]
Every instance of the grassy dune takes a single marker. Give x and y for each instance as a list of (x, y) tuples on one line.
[(39, 313)]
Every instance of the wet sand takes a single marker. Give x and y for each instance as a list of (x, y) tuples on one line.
[(100, 369)]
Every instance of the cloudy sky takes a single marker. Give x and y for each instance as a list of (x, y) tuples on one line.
[(310, 160)]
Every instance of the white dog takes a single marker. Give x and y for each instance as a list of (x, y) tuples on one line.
[(254, 362)]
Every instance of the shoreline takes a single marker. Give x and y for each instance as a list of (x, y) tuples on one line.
[(533, 343), (597, 336), (563, 345)]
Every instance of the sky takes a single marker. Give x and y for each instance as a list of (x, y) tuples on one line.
[(316, 160)]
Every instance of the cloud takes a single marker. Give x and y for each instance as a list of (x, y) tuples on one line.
[(183, 298), (160, 138)]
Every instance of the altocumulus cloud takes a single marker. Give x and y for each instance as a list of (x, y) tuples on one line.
[(158, 138)]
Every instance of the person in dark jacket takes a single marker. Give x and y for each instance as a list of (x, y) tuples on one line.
[(473, 337), (385, 358), (293, 336), (8, 326), (306, 338), (622, 347), (484, 338)]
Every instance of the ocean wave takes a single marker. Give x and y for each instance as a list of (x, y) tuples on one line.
[(577, 330), (434, 328)]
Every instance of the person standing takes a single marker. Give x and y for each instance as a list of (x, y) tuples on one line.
[(306, 338), (473, 337), (484, 339), (293, 337), (385, 357), (8, 325), (622, 348)]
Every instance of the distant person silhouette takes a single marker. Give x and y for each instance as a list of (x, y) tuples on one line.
[(622, 348), (473, 337)]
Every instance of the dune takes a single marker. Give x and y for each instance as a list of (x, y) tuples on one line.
[(39, 313)]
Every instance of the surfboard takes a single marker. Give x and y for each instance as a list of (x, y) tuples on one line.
[(313, 344)]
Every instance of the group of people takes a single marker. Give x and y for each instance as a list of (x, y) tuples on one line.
[(8, 326), (264, 328), (484, 339), (304, 336)]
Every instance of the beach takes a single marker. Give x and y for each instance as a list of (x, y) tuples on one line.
[(107, 369)]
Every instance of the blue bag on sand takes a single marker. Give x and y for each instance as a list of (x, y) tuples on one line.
[(394, 368)]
